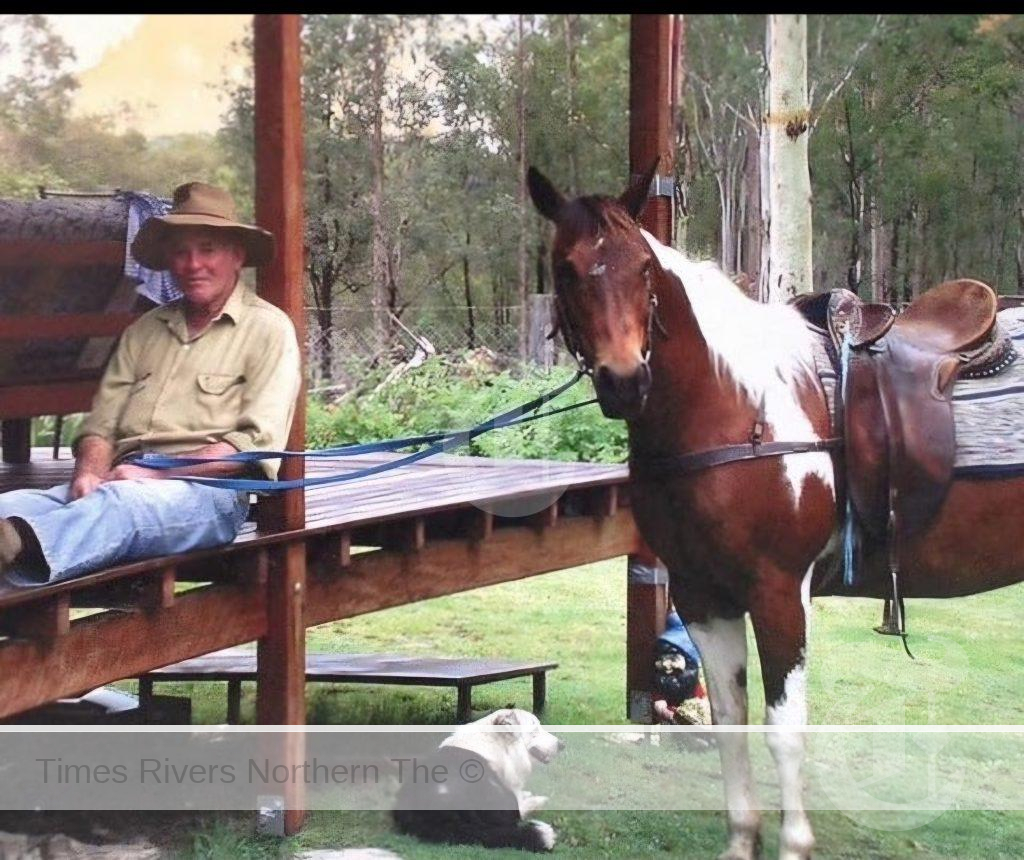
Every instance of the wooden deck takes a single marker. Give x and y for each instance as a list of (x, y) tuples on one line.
[(426, 530), (441, 483)]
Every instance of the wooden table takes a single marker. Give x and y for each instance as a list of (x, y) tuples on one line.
[(235, 666)]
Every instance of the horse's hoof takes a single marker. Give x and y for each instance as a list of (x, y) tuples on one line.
[(734, 854), (742, 848)]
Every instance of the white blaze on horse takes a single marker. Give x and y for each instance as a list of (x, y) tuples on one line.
[(736, 463)]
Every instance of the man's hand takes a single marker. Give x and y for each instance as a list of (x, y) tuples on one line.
[(93, 458), (83, 484), (128, 472)]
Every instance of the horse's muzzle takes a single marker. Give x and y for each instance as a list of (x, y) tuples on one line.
[(622, 396)]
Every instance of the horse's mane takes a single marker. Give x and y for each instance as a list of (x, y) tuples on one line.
[(766, 349), (759, 344)]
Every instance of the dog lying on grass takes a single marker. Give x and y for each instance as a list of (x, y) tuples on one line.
[(481, 799)]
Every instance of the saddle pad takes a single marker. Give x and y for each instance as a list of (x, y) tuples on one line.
[(988, 413)]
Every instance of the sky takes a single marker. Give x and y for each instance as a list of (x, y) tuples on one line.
[(165, 68)]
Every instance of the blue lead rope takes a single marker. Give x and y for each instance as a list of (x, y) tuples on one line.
[(437, 443), (849, 527)]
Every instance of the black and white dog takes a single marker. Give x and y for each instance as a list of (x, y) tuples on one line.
[(481, 799)]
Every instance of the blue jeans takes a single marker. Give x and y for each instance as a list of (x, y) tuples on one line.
[(121, 521)]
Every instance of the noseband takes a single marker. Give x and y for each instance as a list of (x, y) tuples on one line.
[(563, 323)]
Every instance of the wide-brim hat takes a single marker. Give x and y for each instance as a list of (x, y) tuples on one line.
[(197, 204)]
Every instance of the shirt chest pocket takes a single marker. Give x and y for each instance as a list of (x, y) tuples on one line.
[(219, 399), (217, 384)]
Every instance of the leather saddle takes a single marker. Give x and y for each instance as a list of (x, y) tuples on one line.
[(896, 416)]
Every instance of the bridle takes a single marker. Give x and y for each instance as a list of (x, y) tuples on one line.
[(565, 325)]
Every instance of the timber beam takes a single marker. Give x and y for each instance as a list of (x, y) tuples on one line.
[(112, 645), (381, 579)]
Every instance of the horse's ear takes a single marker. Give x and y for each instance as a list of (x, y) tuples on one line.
[(545, 196), (634, 198)]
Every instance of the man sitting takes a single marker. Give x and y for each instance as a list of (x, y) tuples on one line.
[(215, 372)]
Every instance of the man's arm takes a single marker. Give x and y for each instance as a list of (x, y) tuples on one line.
[(93, 445), (93, 457), (273, 381), (127, 471)]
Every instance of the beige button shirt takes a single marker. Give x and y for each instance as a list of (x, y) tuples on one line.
[(235, 382)]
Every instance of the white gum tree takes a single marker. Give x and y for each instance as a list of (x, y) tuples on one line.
[(789, 183)]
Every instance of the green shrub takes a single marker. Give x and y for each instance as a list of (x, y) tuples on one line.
[(442, 395), (44, 427)]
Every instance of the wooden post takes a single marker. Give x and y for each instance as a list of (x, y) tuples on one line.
[(650, 137), (540, 349), (281, 655), (650, 114), (17, 440), (646, 608)]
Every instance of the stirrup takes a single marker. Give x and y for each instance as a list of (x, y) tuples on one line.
[(895, 623), (894, 613)]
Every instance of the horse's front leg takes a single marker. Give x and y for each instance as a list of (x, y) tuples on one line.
[(723, 652), (780, 613)]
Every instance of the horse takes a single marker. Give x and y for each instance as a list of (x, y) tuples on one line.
[(696, 368)]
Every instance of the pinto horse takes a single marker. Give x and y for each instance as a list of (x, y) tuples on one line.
[(693, 365)]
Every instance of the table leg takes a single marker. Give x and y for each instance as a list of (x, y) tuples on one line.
[(234, 701), (540, 691), (464, 710), (145, 699)]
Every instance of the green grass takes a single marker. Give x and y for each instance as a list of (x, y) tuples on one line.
[(966, 672)]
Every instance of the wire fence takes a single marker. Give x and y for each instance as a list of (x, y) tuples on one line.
[(340, 355)]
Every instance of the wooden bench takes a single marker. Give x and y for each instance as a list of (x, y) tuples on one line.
[(235, 666)]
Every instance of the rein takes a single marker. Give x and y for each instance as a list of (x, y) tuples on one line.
[(438, 443)]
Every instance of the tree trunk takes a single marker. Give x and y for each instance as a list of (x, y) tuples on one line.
[(1020, 248), (470, 321), (323, 287), (571, 83), (684, 152), (394, 260), (325, 347), (855, 203), (380, 254), (881, 253), (764, 176), (917, 269), (724, 220), (790, 181), (895, 289), (521, 191), (753, 226), (542, 265)]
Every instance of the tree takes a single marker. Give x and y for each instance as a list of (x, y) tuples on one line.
[(789, 180), (37, 98), (34, 102)]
